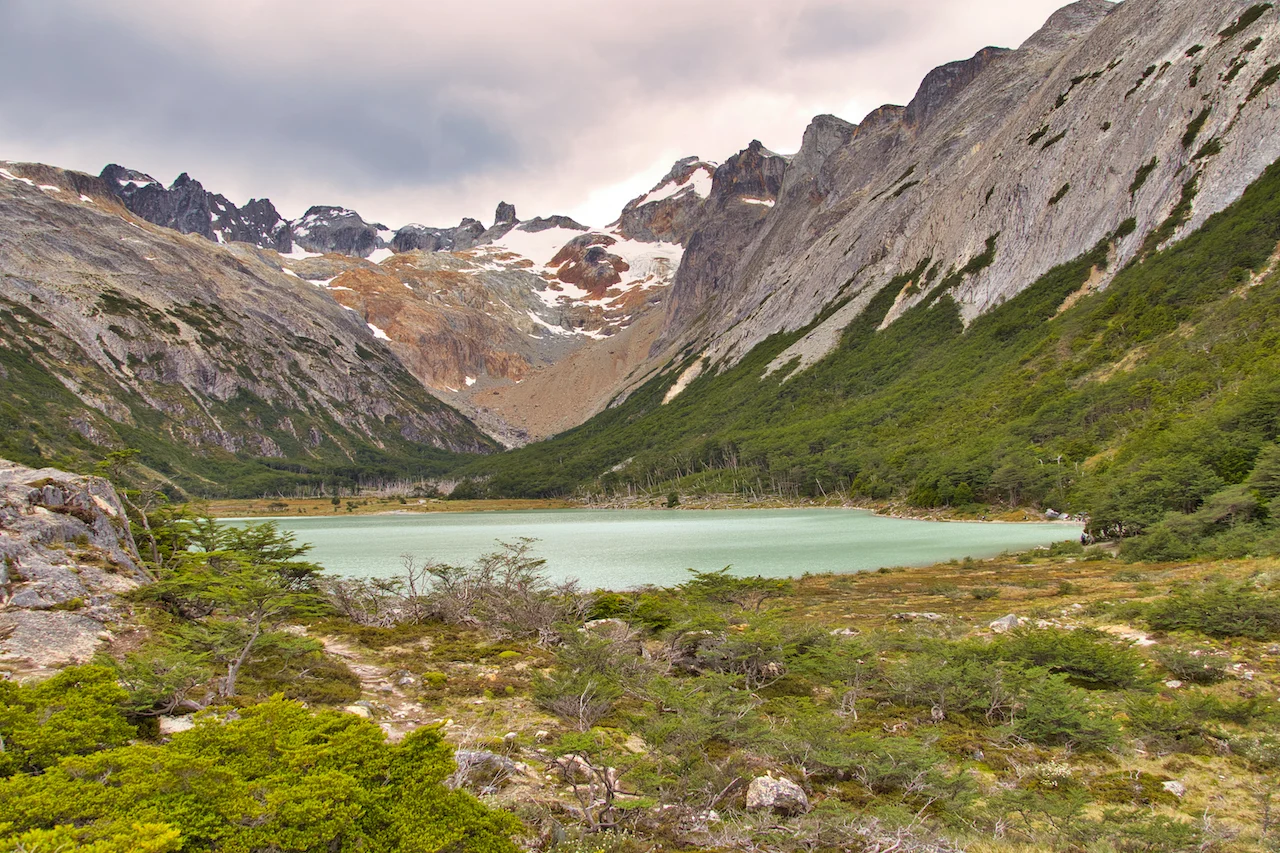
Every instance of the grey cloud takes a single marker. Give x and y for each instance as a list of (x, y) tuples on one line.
[(465, 102), (100, 77)]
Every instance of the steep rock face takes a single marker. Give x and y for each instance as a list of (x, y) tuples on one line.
[(115, 330), (1109, 113), (327, 229), (186, 206), (66, 556), (669, 212), (743, 191)]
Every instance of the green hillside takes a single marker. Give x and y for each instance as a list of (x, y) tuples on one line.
[(1158, 395)]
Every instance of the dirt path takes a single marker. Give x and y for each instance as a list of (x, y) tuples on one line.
[(383, 696)]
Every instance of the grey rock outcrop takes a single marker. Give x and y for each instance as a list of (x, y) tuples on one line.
[(480, 770), (505, 214), (66, 555), (781, 796), (324, 228)]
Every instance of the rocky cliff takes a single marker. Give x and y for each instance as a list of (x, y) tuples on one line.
[(1140, 119), (66, 555)]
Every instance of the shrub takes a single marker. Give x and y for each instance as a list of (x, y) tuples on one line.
[(1224, 610), (1202, 668), (1053, 713), (1083, 654)]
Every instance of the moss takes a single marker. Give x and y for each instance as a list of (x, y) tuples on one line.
[(1146, 73), (1176, 219), (902, 189), (1038, 135), (1267, 80), (1194, 128), (1237, 65), (1052, 141), (1246, 20), (1212, 148), (1140, 177)]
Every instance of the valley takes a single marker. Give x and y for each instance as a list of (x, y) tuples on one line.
[(320, 533)]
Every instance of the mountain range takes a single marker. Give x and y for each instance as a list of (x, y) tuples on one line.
[(248, 351)]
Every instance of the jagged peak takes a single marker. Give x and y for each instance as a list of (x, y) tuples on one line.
[(505, 215), (945, 82), (121, 176), (1068, 24)]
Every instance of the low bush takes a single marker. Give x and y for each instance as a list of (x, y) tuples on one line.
[(1223, 610)]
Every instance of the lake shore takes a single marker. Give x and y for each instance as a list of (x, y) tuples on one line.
[(325, 507)]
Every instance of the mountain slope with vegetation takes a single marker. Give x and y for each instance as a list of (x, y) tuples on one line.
[(228, 374), (1156, 395)]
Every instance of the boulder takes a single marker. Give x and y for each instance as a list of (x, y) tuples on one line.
[(781, 796), (1005, 623), (480, 770), (1176, 788), (919, 617)]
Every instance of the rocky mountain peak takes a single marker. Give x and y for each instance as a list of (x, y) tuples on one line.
[(825, 135), (541, 223), (753, 175), (1067, 25), (422, 238), (946, 81), (667, 212), (186, 206), (505, 214), (325, 228)]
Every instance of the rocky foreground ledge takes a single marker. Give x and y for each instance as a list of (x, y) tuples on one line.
[(66, 555)]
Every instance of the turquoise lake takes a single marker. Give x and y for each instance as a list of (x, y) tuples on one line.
[(619, 549)]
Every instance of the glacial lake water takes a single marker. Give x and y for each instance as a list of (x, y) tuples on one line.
[(619, 549)]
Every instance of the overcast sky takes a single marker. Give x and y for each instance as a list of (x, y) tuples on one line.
[(417, 111)]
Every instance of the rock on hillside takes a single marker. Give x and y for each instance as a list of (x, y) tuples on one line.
[(1110, 113), (65, 556), (116, 332)]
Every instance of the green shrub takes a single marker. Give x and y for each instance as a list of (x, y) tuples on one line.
[(1224, 610), (1202, 668), (277, 778), (1085, 655), (1054, 713)]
